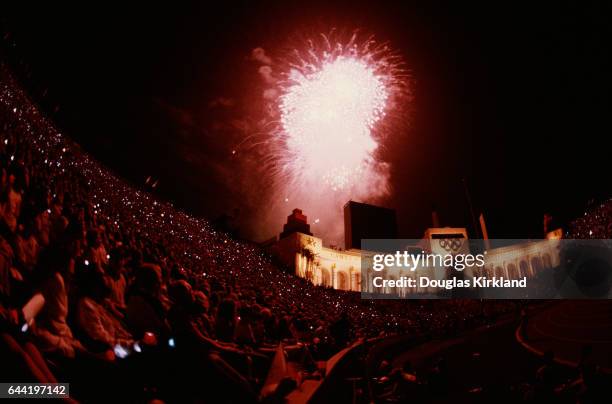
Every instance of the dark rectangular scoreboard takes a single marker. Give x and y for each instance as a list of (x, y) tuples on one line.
[(363, 221)]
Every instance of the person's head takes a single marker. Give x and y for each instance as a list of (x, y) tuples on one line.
[(28, 229), (181, 294), (54, 258), (215, 299), (93, 285), (56, 207), (266, 314), (136, 259), (6, 232), (80, 214), (245, 313), (178, 272), (19, 177), (93, 238), (116, 262), (148, 279), (227, 310), (12, 177), (201, 300), (384, 366)]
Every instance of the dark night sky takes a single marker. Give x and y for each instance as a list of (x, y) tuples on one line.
[(514, 97)]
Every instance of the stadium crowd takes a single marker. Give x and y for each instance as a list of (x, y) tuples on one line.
[(149, 299), (595, 224)]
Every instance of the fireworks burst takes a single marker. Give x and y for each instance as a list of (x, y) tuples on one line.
[(334, 103), (328, 117), (333, 99)]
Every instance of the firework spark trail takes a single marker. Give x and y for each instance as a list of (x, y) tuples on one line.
[(333, 109)]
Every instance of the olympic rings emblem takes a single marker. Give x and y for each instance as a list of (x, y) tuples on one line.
[(451, 244)]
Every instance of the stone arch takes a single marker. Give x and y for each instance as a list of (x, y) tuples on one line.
[(325, 277), (524, 268), (356, 281), (342, 281), (536, 264), (512, 271)]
